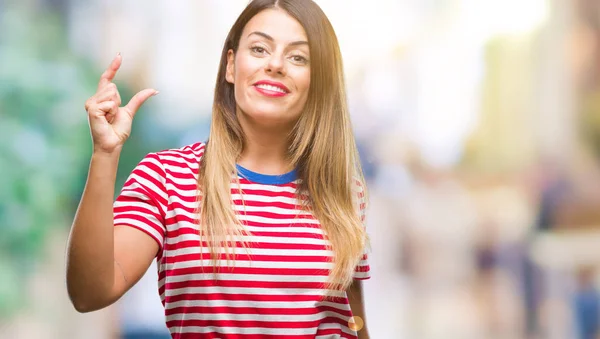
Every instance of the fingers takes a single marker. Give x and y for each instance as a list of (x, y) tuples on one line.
[(110, 72), (138, 99), (105, 110), (109, 107), (109, 93)]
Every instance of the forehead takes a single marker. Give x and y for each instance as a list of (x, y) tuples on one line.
[(276, 23)]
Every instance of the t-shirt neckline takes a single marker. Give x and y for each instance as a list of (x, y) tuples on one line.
[(266, 179)]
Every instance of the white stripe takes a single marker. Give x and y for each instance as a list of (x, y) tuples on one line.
[(255, 317), (361, 275), (255, 278), (143, 205), (143, 215), (243, 330), (286, 229), (148, 185), (250, 277), (257, 304), (271, 240), (192, 148), (251, 251), (271, 209), (187, 160), (184, 181), (146, 227), (253, 290), (184, 224), (250, 264), (181, 224), (301, 228), (262, 187), (186, 171), (183, 193), (363, 263), (181, 212), (264, 198), (186, 204), (238, 208), (174, 182), (255, 218), (328, 326), (184, 152), (149, 159)]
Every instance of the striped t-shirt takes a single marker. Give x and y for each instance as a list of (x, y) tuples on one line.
[(276, 294)]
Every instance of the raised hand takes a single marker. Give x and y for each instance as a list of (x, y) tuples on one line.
[(110, 124)]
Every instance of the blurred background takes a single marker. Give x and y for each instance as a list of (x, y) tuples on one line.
[(478, 123)]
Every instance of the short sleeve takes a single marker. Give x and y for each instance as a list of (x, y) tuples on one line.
[(142, 202), (362, 271)]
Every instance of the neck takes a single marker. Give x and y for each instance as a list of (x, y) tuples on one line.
[(265, 148)]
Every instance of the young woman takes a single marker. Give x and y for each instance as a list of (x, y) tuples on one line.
[(257, 233)]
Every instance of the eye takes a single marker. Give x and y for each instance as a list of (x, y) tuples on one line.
[(299, 59), (257, 49)]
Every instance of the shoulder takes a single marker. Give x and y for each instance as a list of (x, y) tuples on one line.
[(162, 164), (191, 153)]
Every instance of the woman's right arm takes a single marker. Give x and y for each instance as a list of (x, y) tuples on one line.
[(104, 261)]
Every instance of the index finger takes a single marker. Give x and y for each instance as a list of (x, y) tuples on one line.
[(110, 72)]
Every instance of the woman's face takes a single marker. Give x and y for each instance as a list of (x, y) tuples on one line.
[(271, 69)]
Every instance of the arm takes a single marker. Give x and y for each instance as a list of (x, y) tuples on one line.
[(103, 261), (355, 296)]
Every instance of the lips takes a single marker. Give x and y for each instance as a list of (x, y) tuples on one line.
[(271, 88)]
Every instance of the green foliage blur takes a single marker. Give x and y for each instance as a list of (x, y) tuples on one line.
[(45, 144)]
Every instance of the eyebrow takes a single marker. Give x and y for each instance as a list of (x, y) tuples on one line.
[(270, 38)]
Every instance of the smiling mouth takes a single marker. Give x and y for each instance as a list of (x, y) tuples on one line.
[(270, 90)]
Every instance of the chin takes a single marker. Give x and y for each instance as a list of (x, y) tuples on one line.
[(270, 117)]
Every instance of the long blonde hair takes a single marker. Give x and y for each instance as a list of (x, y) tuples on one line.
[(322, 148)]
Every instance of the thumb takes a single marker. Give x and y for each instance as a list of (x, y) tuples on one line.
[(136, 102)]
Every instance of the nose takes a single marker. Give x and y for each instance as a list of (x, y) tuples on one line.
[(275, 64)]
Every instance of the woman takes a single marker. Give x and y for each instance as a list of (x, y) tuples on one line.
[(245, 227)]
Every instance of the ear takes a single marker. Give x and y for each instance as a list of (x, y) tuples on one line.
[(230, 67)]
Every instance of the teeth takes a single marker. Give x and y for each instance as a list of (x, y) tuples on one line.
[(271, 88)]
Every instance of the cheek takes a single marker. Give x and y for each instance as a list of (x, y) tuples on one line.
[(302, 80), (304, 84), (241, 79), (245, 67)]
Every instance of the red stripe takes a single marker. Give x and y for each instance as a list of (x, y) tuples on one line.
[(120, 220), (126, 211), (220, 335), (255, 244), (255, 297), (188, 173), (245, 284), (244, 257)]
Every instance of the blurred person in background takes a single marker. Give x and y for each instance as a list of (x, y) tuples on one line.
[(278, 188), (586, 304)]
